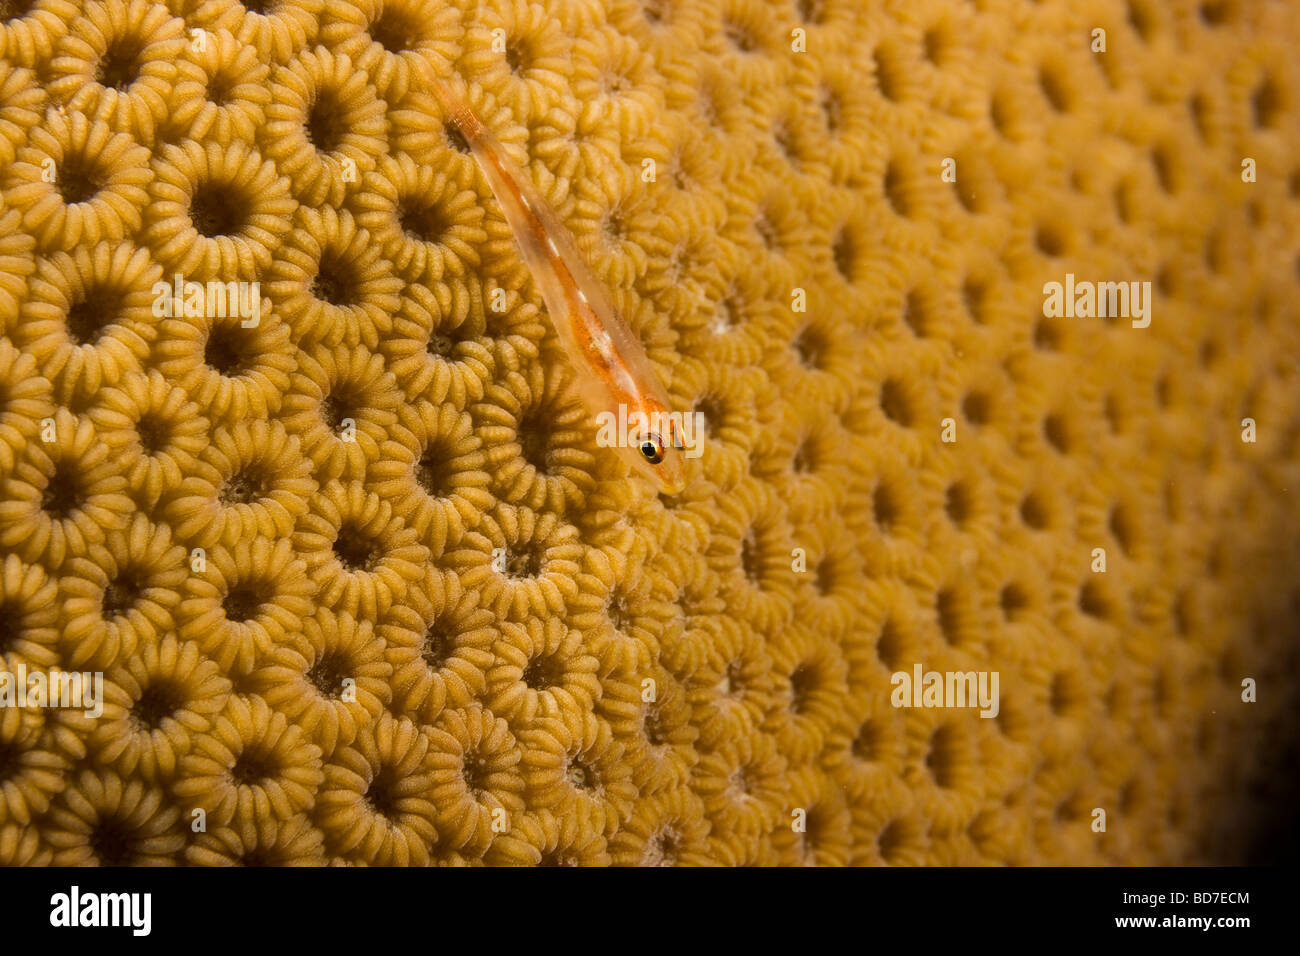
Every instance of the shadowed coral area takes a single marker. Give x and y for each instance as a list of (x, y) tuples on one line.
[(363, 587)]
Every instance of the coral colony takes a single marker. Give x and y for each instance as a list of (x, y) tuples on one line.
[(645, 433)]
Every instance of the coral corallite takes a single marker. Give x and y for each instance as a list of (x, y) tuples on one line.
[(364, 588)]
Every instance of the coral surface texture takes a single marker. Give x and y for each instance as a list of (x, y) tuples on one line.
[(290, 457)]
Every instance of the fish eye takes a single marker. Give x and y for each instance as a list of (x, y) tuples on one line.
[(652, 449)]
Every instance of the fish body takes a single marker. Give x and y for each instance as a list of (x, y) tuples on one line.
[(611, 368)]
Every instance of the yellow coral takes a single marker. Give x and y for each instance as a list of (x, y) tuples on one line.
[(365, 590)]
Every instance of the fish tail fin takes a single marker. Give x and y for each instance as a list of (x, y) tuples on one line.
[(455, 107)]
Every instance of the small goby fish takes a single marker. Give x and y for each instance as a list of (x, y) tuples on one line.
[(609, 364)]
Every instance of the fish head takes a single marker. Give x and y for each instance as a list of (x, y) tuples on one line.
[(656, 458), (658, 451)]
